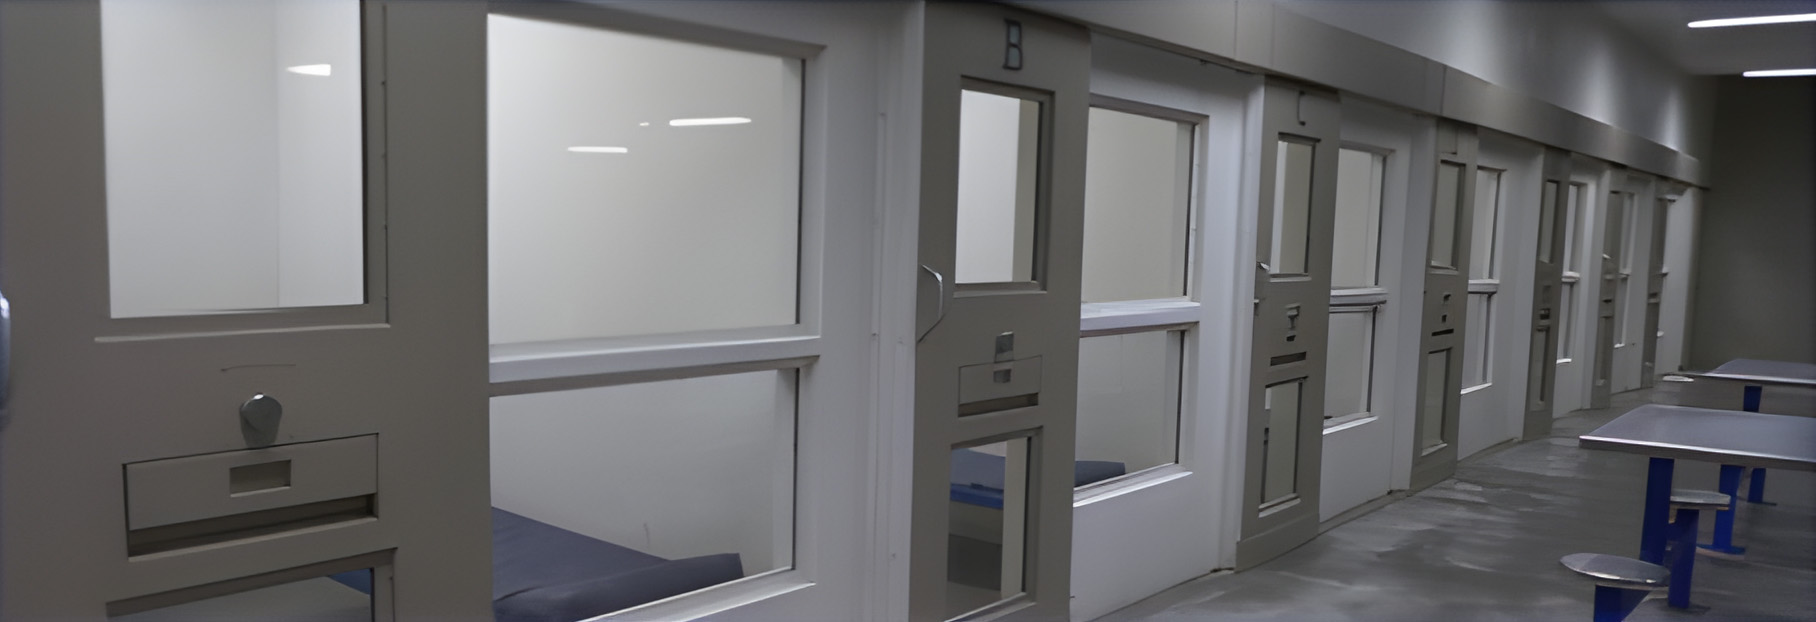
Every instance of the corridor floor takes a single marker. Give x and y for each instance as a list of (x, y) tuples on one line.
[(1485, 544)]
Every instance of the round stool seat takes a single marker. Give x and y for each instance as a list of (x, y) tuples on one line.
[(1617, 571), (1699, 499)]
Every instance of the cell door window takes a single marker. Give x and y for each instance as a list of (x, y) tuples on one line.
[(1355, 295), (1280, 443), (1138, 185), (1356, 245), (235, 155), (1567, 295), (1137, 240), (1484, 281), (627, 203), (1290, 248), (1444, 216), (1614, 242), (998, 195), (1434, 401), (1547, 221), (1629, 331), (624, 202), (1350, 367)]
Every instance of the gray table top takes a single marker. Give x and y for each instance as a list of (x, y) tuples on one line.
[(1720, 436), (1773, 372)]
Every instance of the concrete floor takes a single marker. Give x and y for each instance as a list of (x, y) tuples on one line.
[(1485, 544)]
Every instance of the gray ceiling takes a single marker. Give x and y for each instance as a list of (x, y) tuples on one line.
[(1718, 51)]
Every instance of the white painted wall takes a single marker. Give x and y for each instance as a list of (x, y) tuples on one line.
[(676, 468), (1564, 53), (232, 183), (1494, 413), (657, 239)]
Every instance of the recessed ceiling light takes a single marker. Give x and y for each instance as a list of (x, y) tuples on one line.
[(1754, 21), (599, 149), (1780, 73), (311, 70), (708, 121)]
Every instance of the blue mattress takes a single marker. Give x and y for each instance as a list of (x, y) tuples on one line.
[(543, 573), (977, 477)]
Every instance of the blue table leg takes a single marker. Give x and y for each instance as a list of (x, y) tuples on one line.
[(1655, 530), (1756, 490), (1683, 559), (1724, 521), (1612, 604)]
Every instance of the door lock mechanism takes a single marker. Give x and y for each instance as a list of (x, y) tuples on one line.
[(259, 418)]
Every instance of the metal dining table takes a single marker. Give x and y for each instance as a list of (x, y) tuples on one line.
[(1754, 375), (1727, 437)]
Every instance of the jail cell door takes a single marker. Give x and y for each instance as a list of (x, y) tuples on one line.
[(1295, 218), (1446, 290), (244, 247), (1610, 288), (1005, 105), (1547, 289), (1655, 287)]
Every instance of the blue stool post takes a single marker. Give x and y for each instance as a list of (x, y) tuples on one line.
[(1683, 558), (1724, 521), (1612, 604), (1749, 398), (1655, 529)]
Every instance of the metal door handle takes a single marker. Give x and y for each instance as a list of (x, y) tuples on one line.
[(6, 350), (939, 315)]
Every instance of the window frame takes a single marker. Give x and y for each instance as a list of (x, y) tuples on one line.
[(1176, 313)]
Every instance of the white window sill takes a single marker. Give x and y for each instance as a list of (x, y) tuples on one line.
[(1119, 486)]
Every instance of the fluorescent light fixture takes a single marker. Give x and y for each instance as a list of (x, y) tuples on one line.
[(1754, 21), (643, 124), (599, 149), (708, 121), (311, 70), (1780, 73)]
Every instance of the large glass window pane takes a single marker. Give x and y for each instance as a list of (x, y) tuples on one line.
[(1350, 365), (1434, 399), (679, 483), (1487, 209), (235, 155), (1128, 403), (345, 597), (1547, 220), (1138, 182), (1280, 442), (987, 525), (1476, 344), (1292, 207), (998, 167), (1444, 221), (1356, 243), (627, 202)]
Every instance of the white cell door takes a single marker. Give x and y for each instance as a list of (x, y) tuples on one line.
[(1005, 99), (1547, 288), (244, 248), (1446, 288)]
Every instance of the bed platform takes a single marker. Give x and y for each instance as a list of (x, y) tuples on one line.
[(543, 573)]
